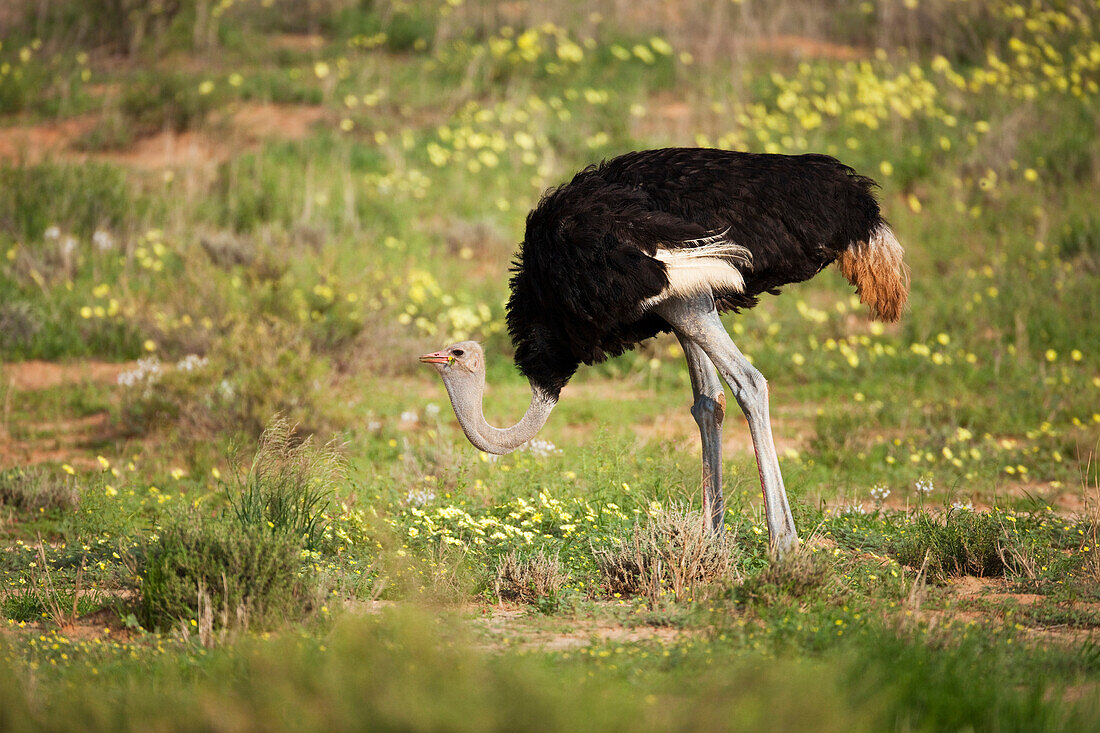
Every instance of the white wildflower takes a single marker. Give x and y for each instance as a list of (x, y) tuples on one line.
[(924, 486), (191, 362), (419, 497), (540, 448), (225, 390), (103, 241), (146, 372)]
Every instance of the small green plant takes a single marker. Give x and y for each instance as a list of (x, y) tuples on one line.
[(62, 605), (222, 575), (670, 555), (288, 486), (533, 579)]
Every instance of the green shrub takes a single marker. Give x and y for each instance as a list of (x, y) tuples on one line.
[(221, 575), (794, 576), (20, 323), (254, 371), (119, 25), (962, 542), (1079, 241)]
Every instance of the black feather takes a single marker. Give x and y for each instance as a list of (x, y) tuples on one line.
[(586, 263)]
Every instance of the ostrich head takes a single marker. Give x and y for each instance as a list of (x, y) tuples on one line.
[(462, 368), (462, 364)]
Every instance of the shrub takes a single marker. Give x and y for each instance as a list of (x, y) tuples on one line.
[(222, 575), (670, 554), (20, 323), (255, 371)]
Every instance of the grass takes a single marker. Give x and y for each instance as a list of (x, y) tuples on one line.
[(357, 179), (288, 487)]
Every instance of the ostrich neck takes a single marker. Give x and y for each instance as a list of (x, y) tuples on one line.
[(468, 408)]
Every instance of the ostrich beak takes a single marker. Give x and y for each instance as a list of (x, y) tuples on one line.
[(436, 357)]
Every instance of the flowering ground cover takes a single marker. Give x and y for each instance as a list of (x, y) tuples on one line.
[(230, 497)]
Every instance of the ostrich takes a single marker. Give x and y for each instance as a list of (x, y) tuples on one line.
[(667, 240)]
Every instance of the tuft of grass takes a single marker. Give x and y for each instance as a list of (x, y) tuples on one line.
[(534, 579), (288, 486), (670, 555)]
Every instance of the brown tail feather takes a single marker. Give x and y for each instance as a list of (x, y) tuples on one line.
[(879, 273)]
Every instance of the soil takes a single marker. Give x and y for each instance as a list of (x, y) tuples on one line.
[(241, 128), (514, 627), (509, 626), (27, 376), (62, 440)]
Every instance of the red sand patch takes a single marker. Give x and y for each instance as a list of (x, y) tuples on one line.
[(27, 376)]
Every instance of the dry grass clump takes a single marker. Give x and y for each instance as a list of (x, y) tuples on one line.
[(669, 556), (529, 579)]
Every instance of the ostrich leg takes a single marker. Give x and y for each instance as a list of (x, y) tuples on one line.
[(697, 320), (708, 410)]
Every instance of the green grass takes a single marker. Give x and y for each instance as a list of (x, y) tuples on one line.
[(299, 272)]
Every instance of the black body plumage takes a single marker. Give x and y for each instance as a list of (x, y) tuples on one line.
[(587, 265)]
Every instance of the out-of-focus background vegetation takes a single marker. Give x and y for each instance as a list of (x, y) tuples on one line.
[(217, 216)]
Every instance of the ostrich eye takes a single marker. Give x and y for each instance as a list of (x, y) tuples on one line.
[(458, 352)]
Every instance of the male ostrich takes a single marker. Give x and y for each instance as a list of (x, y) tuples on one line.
[(666, 240)]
